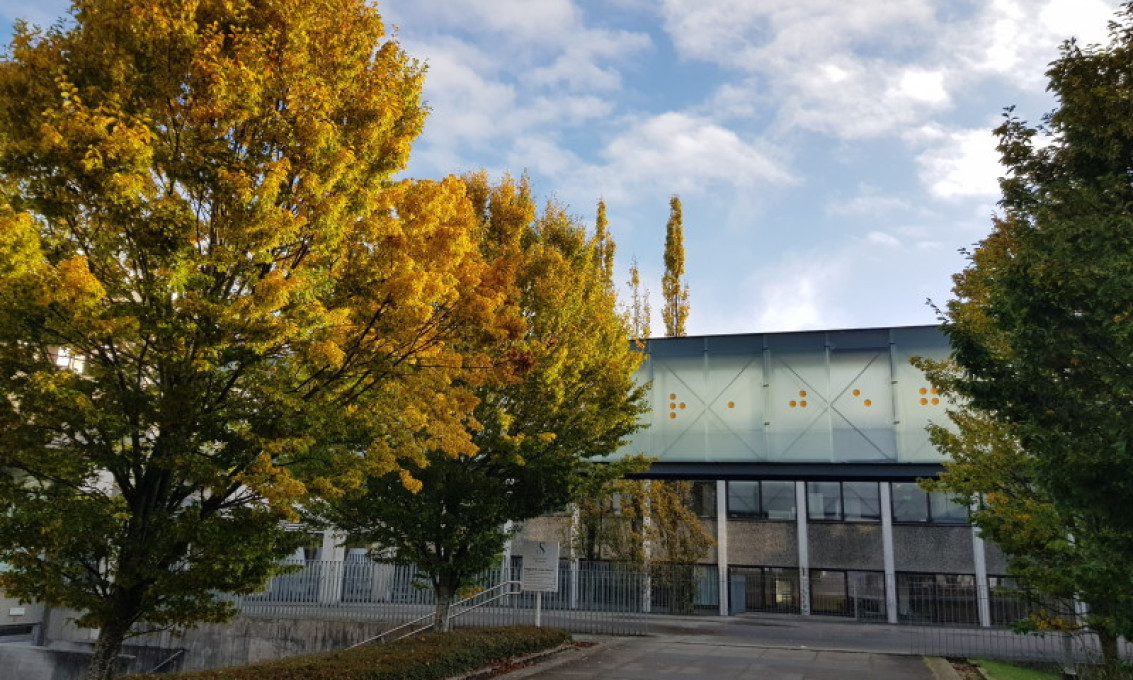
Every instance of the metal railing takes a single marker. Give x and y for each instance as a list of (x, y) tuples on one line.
[(593, 597), (456, 610)]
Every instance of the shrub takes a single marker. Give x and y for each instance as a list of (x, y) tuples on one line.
[(421, 657)]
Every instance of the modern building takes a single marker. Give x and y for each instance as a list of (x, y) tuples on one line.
[(806, 448)]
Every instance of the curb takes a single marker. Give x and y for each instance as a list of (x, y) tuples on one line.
[(941, 668), (548, 658)]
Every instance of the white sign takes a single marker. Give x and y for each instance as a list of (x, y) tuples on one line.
[(540, 567)]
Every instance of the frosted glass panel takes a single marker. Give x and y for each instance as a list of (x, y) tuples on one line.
[(862, 408), (918, 404), (812, 397), (798, 413)]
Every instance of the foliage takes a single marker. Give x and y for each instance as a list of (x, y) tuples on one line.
[(1041, 332), (1053, 550), (195, 201), (573, 399), (425, 657), (604, 244), (636, 520), (674, 289), (638, 313)]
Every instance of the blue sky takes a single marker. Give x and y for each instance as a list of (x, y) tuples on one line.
[(831, 156)]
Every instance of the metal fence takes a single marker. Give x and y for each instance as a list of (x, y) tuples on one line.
[(949, 617), (593, 597), (621, 599)]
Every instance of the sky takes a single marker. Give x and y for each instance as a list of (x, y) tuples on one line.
[(832, 157)]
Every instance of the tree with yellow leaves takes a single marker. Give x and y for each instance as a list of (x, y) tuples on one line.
[(570, 398), (196, 205)]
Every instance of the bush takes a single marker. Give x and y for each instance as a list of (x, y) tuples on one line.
[(421, 657)]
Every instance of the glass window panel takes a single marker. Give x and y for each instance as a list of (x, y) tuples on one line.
[(828, 592), (779, 500), (743, 499), (703, 499), (909, 502), (944, 511), (824, 500), (861, 501)]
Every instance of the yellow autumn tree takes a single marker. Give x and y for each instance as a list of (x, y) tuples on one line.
[(196, 208)]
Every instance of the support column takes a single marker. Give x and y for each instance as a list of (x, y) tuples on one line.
[(804, 549), (646, 549), (505, 562), (983, 596), (574, 520), (888, 559), (722, 545), (332, 558)]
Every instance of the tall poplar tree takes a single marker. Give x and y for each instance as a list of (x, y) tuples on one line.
[(604, 244), (674, 289), (196, 209)]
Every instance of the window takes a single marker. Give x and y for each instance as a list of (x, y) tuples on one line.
[(761, 500), (913, 504), (702, 499), (937, 598), (844, 501), (774, 589), (860, 594)]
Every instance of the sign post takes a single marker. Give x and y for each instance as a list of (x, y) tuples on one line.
[(540, 572)]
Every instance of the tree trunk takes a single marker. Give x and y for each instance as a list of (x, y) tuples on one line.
[(444, 593), (104, 661), (1107, 639)]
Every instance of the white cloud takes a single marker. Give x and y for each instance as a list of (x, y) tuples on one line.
[(879, 238), (686, 154), (1016, 39), (962, 164)]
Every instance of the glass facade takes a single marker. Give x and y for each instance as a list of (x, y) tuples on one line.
[(810, 397)]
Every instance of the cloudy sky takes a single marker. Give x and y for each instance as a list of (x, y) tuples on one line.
[(831, 156)]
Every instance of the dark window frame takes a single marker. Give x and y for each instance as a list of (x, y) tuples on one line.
[(761, 511), (841, 518), (930, 519)]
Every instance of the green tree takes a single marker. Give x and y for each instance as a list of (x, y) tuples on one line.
[(574, 398), (1053, 550), (195, 204), (674, 289), (1040, 327)]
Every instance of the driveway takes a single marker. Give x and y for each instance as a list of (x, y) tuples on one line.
[(679, 658)]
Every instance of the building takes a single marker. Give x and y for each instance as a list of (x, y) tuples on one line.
[(805, 448)]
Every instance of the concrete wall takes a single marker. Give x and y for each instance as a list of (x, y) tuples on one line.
[(22, 662), (845, 545), (935, 550), (996, 559), (241, 641), (13, 612), (550, 528), (767, 544)]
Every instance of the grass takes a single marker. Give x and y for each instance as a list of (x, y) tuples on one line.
[(999, 670)]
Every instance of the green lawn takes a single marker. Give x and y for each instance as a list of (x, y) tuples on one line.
[(998, 670)]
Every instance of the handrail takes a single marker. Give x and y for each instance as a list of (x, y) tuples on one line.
[(161, 665), (453, 612)]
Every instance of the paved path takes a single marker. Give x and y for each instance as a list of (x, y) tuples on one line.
[(673, 658)]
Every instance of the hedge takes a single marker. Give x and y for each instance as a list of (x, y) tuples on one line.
[(421, 657)]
